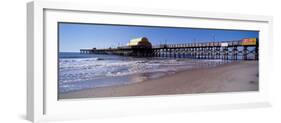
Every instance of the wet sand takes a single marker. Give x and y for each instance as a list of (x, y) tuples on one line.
[(231, 77)]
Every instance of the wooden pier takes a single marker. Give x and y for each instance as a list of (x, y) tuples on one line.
[(244, 49)]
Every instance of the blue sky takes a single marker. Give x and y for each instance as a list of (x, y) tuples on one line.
[(73, 37)]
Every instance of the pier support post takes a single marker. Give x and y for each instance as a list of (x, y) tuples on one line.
[(245, 52), (256, 52), (224, 53), (234, 53)]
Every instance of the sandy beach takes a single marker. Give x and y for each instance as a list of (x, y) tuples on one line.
[(231, 77)]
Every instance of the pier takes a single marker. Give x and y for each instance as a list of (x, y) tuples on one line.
[(244, 49)]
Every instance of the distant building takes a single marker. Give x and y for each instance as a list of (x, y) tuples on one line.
[(140, 42)]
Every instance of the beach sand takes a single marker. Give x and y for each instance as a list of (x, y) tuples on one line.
[(231, 77)]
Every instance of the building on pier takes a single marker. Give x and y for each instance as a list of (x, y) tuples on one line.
[(140, 42)]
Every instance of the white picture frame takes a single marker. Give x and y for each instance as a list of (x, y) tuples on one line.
[(42, 103)]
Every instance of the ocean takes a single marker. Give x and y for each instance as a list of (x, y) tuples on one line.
[(83, 71)]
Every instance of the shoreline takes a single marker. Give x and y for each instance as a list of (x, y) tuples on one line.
[(231, 77)]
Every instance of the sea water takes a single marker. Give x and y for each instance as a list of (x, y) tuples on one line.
[(83, 71)]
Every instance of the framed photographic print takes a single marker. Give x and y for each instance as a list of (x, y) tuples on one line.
[(97, 61)]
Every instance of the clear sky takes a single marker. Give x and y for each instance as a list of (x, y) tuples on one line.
[(73, 37)]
